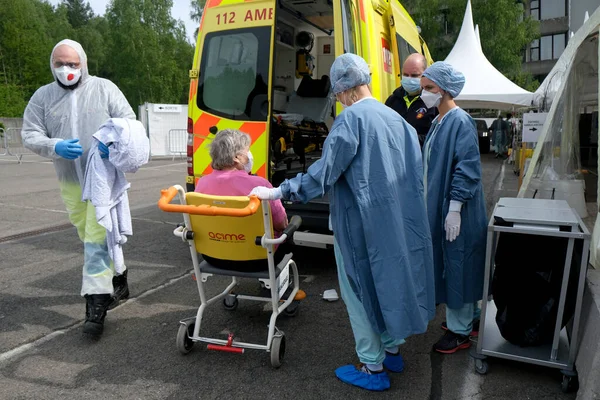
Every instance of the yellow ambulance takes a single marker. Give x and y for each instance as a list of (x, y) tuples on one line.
[(262, 66)]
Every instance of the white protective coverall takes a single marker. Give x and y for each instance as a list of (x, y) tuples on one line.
[(54, 114)]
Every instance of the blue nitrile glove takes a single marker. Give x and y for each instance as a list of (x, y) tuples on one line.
[(69, 149), (103, 150)]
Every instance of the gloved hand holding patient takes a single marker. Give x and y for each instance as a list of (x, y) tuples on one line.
[(265, 193)]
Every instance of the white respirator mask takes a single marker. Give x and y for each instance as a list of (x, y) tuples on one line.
[(248, 165), (67, 76), (431, 99)]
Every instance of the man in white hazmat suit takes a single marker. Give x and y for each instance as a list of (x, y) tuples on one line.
[(59, 122)]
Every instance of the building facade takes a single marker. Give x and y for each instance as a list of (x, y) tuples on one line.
[(558, 18)]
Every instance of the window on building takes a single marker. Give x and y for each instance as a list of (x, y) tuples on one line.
[(558, 45), (548, 47), (534, 8), (534, 51), (549, 9)]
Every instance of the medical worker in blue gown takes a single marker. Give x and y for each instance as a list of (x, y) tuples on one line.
[(371, 167), (455, 206)]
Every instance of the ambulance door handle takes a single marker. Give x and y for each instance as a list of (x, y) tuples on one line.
[(213, 130)]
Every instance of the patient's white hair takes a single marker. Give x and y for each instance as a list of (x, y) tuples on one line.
[(225, 147)]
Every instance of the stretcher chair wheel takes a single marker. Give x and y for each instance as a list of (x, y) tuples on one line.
[(569, 384), (292, 309), (277, 349), (481, 367), (230, 302), (184, 343)]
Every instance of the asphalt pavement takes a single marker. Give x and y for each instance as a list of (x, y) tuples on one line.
[(44, 355)]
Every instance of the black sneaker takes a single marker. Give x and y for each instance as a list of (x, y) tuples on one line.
[(121, 290), (95, 312), (452, 342), (474, 330)]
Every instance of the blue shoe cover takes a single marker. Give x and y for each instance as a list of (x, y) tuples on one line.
[(354, 376), (393, 363)]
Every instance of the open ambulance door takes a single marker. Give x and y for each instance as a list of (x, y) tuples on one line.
[(348, 28), (426, 52), (234, 84), (405, 37)]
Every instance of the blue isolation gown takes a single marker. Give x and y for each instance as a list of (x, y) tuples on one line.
[(371, 167), (453, 172)]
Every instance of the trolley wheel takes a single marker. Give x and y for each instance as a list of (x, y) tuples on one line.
[(481, 367), (230, 302), (277, 350), (569, 384), (293, 309), (184, 343)]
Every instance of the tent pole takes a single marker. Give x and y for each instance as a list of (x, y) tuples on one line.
[(522, 163)]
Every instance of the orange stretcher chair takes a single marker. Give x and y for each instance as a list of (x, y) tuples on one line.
[(234, 230)]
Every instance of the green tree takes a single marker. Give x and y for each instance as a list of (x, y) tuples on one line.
[(137, 45), (504, 31), (28, 31), (94, 37), (12, 100), (150, 56), (79, 12), (196, 14)]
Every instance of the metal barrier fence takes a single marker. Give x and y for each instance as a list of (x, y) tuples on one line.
[(3, 145), (178, 142), (12, 144)]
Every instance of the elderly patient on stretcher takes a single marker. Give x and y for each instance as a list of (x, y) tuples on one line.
[(232, 166)]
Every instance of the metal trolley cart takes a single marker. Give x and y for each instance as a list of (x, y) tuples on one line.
[(552, 218)]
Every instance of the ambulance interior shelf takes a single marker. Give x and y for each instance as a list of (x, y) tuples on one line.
[(302, 130)]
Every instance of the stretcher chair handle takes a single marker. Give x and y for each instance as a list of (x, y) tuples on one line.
[(286, 236), (293, 226), (167, 195)]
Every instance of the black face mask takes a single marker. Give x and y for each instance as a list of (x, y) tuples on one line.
[(72, 87)]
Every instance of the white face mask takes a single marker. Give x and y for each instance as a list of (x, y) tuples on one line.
[(248, 165), (339, 99), (411, 85), (431, 99), (67, 76)]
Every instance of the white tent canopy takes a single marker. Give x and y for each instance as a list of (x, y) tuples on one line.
[(485, 86)]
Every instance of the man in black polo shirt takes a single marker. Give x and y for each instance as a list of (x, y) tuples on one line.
[(406, 100)]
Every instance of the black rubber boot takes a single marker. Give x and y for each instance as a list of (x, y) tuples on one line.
[(95, 312), (121, 290)]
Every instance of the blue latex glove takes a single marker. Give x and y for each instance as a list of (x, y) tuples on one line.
[(69, 149), (103, 150)]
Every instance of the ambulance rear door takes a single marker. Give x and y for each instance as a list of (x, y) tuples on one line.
[(234, 78), (405, 37)]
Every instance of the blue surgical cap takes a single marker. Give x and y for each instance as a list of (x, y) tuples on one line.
[(348, 71), (446, 77)]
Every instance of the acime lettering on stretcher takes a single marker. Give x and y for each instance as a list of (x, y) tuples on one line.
[(262, 67)]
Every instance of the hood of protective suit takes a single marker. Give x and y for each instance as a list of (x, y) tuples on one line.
[(82, 58)]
